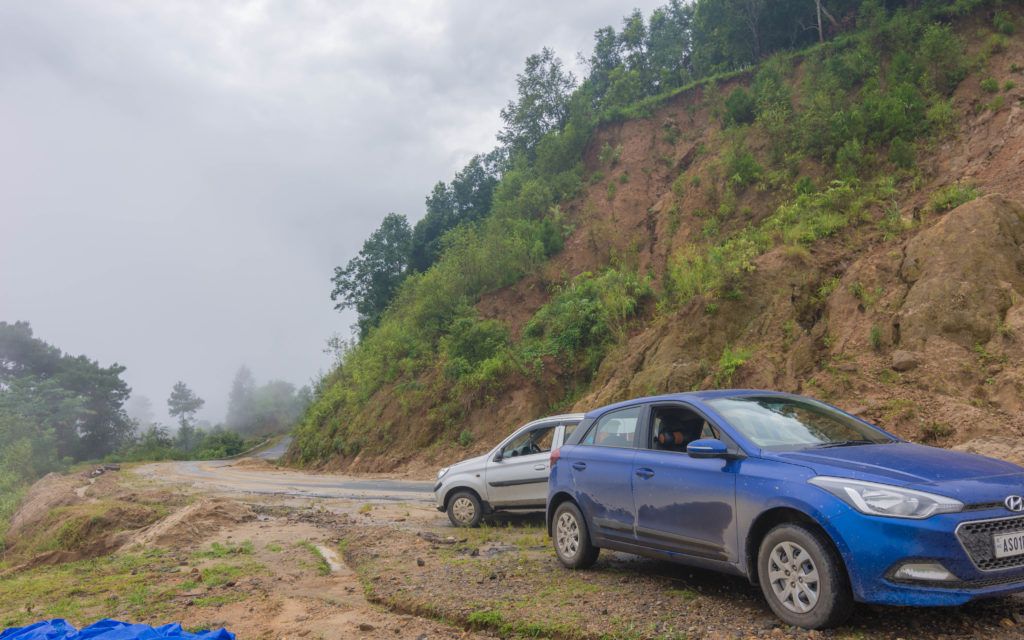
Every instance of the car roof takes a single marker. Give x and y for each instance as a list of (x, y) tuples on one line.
[(561, 416), (688, 396)]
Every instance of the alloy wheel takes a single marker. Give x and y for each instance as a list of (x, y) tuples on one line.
[(567, 535), (793, 577)]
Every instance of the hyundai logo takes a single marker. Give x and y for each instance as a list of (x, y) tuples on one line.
[(1014, 503)]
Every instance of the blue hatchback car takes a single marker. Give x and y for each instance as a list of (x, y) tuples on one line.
[(817, 506)]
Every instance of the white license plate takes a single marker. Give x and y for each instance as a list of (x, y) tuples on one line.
[(1009, 544)]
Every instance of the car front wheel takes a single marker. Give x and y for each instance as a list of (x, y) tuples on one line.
[(572, 539), (465, 510), (803, 578)]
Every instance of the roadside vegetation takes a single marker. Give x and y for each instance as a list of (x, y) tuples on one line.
[(843, 139), (58, 411)]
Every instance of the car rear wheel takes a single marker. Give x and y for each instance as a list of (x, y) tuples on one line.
[(465, 510), (803, 578), (572, 539)]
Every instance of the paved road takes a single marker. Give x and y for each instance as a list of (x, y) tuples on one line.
[(236, 476), (277, 451)]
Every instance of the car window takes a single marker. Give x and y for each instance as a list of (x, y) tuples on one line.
[(569, 429), (615, 429), (673, 428), (529, 443)]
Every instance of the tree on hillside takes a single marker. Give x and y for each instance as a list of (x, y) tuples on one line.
[(369, 281), (545, 88), (240, 399), (71, 400), (183, 404), (466, 199)]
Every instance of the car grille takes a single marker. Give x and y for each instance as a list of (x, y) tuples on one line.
[(976, 538), (983, 506)]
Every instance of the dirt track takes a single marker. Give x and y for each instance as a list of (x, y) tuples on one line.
[(255, 479), (502, 577)]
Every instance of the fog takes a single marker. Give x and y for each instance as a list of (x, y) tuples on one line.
[(178, 179)]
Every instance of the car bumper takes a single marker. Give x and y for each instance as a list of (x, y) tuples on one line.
[(439, 496), (873, 548)]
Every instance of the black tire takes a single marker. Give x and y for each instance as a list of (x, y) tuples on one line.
[(464, 509), (572, 542), (791, 552)]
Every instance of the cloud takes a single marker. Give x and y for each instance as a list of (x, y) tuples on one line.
[(178, 179)]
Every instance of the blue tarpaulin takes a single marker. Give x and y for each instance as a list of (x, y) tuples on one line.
[(108, 630)]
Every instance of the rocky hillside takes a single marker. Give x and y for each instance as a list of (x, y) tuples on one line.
[(738, 234)]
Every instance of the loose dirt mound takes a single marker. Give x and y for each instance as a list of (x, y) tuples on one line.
[(188, 526), (52, 491), (258, 464)]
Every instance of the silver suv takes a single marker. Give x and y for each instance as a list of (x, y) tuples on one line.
[(513, 475)]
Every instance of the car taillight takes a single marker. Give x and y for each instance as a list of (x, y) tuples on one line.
[(555, 455)]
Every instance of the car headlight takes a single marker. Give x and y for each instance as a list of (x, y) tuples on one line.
[(877, 499), (443, 471)]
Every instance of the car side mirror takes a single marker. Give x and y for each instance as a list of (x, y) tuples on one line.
[(708, 448), (498, 457)]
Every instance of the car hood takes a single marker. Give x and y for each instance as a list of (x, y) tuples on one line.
[(970, 478), (469, 464)]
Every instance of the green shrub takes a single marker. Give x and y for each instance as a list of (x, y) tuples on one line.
[(951, 197), (1003, 22), (739, 107), (609, 155), (804, 185), (990, 85), (585, 316), (996, 43), (741, 168), (731, 360), (941, 116), (996, 103), (850, 159), (901, 153), (875, 337), (465, 438), (1009, 85), (679, 185)]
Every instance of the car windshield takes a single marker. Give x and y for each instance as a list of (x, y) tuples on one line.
[(790, 423)]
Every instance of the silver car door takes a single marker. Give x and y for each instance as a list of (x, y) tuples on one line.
[(518, 475)]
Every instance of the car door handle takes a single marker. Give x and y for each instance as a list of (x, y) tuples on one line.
[(579, 466), (645, 473), (540, 467)]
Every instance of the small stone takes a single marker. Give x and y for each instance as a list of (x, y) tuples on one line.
[(420, 562), (905, 360), (604, 611), (366, 626)]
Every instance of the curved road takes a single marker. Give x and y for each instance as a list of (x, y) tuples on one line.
[(234, 476)]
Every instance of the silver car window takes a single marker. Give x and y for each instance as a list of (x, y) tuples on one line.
[(529, 443)]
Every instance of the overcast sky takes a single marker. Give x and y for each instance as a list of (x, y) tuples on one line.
[(179, 178)]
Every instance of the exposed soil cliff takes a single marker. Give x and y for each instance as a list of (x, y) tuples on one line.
[(912, 316)]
